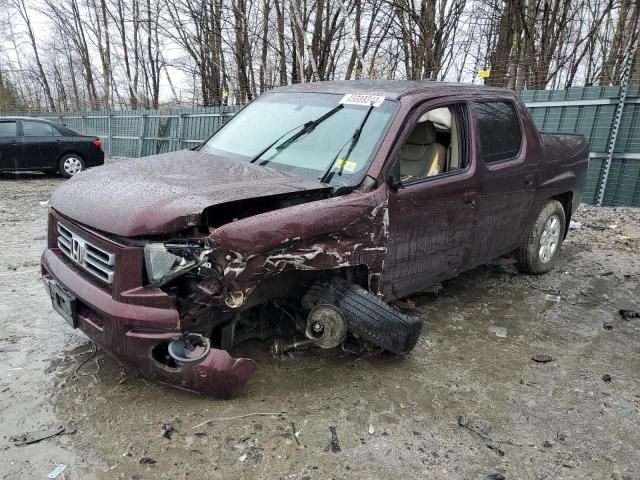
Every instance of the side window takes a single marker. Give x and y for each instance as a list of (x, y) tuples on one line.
[(8, 129), (500, 135), (434, 147), (36, 129)]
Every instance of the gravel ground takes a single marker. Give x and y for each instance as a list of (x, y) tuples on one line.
[(467, 403)]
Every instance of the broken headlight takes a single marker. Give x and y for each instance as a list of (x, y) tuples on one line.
[(165, 262)]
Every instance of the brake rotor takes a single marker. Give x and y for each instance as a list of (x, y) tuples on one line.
[(326, 326)]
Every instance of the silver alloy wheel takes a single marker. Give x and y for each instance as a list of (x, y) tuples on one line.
[(72, 165), (549, 239)]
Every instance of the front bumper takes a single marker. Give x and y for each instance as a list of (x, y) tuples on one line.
[(130, 332)]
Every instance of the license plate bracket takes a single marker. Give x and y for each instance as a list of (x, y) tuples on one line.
[(63, 302)]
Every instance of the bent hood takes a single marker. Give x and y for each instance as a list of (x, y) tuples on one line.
[(166, 193)]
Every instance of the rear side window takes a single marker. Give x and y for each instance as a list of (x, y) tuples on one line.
[(500, 135), (8, 129), (38, 129)]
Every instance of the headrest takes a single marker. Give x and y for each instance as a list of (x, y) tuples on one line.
[(423, 134)]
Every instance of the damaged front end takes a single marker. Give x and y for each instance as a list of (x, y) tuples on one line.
[(299, 271), (298, 277)]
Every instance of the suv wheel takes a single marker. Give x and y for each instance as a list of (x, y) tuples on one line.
[(539, 252), (71, 165)]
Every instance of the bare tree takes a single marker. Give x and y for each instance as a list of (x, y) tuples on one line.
[(22, 10)]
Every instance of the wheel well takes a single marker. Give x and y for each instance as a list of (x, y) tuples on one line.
[(566, 200), (294, 283)]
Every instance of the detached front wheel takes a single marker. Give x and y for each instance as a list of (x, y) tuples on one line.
[(540, 251), (71, 165)]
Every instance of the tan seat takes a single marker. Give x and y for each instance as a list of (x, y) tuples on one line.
[(421, 156)]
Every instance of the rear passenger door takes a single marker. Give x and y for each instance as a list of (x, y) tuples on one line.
[(508, 180), (10, 144), (41, 144)]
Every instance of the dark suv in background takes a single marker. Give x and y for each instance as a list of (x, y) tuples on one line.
[(38, 144)]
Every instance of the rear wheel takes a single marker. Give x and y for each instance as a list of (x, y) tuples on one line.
[(539, 252), (71, 165)]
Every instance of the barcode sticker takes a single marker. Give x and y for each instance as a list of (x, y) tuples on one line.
[(366, 100)]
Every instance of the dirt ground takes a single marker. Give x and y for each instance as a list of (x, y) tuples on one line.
[(467, 403)]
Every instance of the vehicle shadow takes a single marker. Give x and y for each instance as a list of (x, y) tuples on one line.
[(29, 175)]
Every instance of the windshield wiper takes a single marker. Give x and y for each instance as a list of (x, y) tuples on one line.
[(306, 128), (328, 173)]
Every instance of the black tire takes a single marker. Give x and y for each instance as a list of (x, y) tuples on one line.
[(530, 255), (367, 316), (70, 165)]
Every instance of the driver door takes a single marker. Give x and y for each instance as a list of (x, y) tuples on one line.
[(433, 210)]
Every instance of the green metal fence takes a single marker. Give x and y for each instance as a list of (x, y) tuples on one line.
[(141, 133), (596, 112), (610, 119)]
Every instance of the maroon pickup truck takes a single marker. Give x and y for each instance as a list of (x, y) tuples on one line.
[(301, 219)]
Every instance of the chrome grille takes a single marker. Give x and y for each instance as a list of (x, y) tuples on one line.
[(96, 261)]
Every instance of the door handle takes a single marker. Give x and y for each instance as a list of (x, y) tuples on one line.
[(528, 180), (14, 142)]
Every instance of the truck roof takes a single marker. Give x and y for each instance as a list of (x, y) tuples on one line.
[(394, 89)]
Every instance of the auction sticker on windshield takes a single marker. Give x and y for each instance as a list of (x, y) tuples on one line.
[(366, 100), (346, 165)]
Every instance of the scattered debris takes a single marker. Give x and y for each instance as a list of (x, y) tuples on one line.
[(57, 471), (482, 431), (623, 410), (575, 225), (35, 437), (599, 228), (406, 304), (335, 444), (606, 377), (552, 298), (629, 314), (295, 435), (499, 451), (498, 331), (53, 364), (147, 461), (239, 416), (243, 457), (371, 429), (541, 358), (494, 476), (547, 444), (607, 326), (613, 227), (253, 455), (167, 431)]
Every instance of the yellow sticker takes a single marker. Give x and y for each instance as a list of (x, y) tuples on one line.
[(346, 166), (484, 72)]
